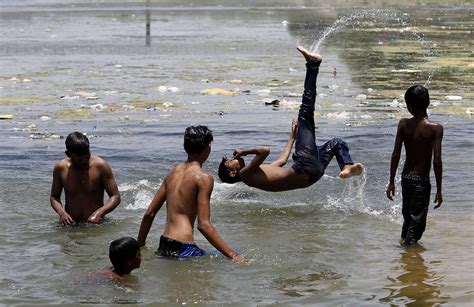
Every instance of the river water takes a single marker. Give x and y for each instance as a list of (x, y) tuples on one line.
[(81, 66)]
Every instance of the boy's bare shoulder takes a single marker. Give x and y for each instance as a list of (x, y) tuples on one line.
[(62, 164)]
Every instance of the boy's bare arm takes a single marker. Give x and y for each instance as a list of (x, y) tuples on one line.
[(281, 161), (438, 165), (395, 160), (149, 216), (261, 153), (55, 197), (205, 186), (112, 190)]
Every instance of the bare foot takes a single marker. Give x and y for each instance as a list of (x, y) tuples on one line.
[(308, 55), (350, 170)]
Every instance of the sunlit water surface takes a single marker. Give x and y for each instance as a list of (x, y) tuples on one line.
[(91, 68)]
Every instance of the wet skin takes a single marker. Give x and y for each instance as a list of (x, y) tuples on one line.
[(84, 179)]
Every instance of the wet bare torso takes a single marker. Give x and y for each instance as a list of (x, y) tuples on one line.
[(84, 188), (418, 138), (274, 179), (181, 201)]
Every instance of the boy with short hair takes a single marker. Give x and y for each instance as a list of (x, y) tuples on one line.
[(422, 140), (124, 253), (187, 192), (310, 160), (84, 178)]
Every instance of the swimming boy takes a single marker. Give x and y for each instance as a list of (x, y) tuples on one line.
[(422, 139), (84, 178), (124, 253), (310, 160), (187, 192)]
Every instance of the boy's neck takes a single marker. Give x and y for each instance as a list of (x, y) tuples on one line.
[(196, 158), (420, 115)]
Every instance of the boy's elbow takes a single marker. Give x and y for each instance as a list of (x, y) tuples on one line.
[(204, 226)]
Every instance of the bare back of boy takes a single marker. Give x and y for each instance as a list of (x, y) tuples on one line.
[(84, 187), (186, 185), (421, 138)]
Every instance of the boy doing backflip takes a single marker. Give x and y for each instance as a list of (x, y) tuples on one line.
[(187, 192), (310, 161), (422, 140)]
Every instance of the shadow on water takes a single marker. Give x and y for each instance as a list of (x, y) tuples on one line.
[(417, 284)]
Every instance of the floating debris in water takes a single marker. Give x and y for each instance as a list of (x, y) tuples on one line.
[(236, 81), (6, 116), (45, 136), (164, 89), (67, 97), (370, 90), (284, 22), (204, 80), (274, 102), (31, 127), (453, 97), (361, 97), (264, 92), (217, 91), (45, 118), (221, 113)]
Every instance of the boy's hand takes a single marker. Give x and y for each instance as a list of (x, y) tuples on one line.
[(96, 217), (66, 219), (438, 199), (240, 259), (390, 191), (294, 128), (237, 153)]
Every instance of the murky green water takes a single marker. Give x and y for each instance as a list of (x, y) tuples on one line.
[(90, 67)]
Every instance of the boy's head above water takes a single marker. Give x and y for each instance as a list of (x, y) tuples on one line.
[(124, 253), (197, 139), (77, 149), (417, 98), (229, 170)]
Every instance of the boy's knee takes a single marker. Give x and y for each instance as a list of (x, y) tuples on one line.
[(339, 142)]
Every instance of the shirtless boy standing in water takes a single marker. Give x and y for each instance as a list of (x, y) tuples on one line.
[(422, 139), (310, 161), (84, 179), (187, 192)]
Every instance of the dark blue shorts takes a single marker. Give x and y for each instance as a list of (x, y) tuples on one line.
[(176, 249)]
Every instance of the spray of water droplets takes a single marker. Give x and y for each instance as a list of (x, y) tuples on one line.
[(360, 18)]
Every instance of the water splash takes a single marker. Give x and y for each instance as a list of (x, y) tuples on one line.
[(363, 18)]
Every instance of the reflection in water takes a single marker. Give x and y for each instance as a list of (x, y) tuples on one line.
[(147, 13), (416, 285)]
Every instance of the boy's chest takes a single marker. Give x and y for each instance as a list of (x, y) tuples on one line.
[(81, 182)]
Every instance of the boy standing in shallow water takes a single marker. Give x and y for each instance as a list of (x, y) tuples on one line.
[(422, 139), (187, 192), (84, 178), (310, 161)]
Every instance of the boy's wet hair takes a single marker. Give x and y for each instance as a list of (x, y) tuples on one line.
[(196, 139), (224, 173), (77, 142), (418, 97), (122, 250)]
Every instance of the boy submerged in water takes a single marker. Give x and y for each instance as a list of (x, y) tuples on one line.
[(84, 178), (187, 192), (310, 160), (124, 253), (422, 139)]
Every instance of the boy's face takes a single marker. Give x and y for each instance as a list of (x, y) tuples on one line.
[(79, 160), (235, 165)]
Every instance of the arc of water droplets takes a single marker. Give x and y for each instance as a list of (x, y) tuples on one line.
[(374, 14)]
